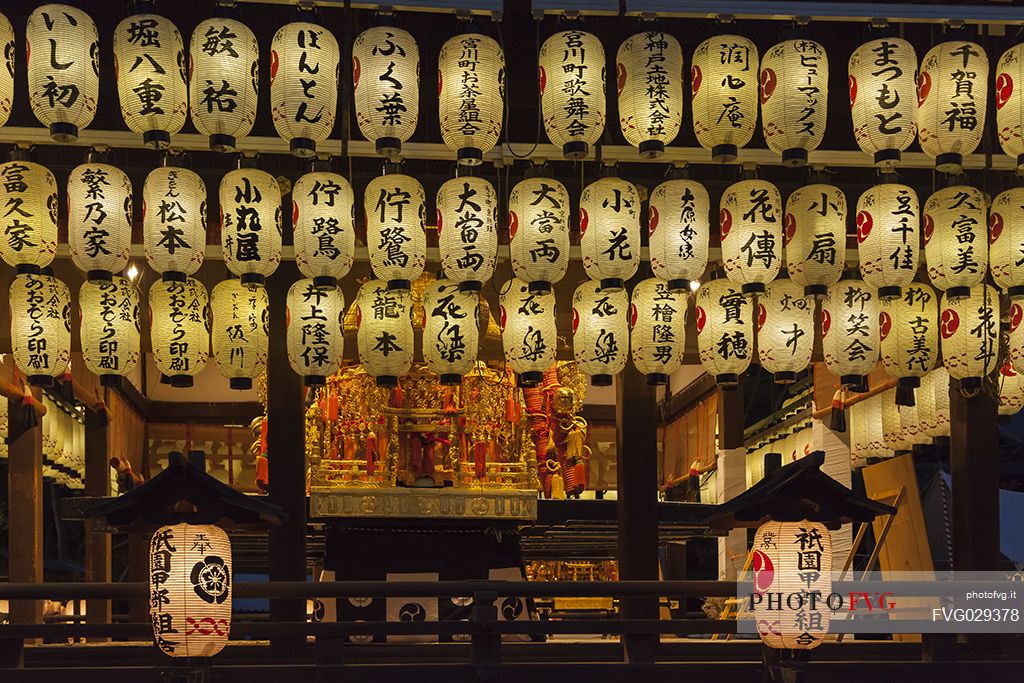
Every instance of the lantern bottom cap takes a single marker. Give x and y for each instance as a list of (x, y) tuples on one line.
[(539, 287), (655, 379), (388, 147), (600, 380), (220, 142), (970, 383), (887, 157), (101, 275), (252, 279), (958, 292), (398, 285), (469, 156), (725, 154), (174, 276), (753, 288), (612, 283), (1015, 292), (40, 380), (450, 379), (815, 290), (679, 285), (181, 381), (325, 281), (889, 292), (387, 380), (157, 139), (905, 390), (313, 380), (240, 383), (530, 378), (728, 380), (854, 382), (651, 149), (63, 132), (471, 286), (575, 150), (950, 162), (794, 156), (28, 269), (784, 377), (110, 381), (303, 148)]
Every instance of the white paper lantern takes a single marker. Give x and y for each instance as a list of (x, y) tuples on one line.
[(385, 334), (451, 330), (528, 333), (893, 435), (908, 329), (152, 83), (6, 69), (386, 78), (395, 209), (315, 339), (610, 231), (224, 81), (866, 435), (1006, 242), (40, 327), (955, 239), (179, 329), (785, 330), (883, 83), (679, 227), (250, 218), (750, 224), (64, 77), (849, 331), (174, 221), (304, 62), (571, 71), (933, 402), (110, 327), (649, 75), (28, 193), (952, 96), (657, 320), (725, 331), (1016, 336), (1009, 103), (239, 331), (724, 87), (600, 332), (1011, 390), (538, 226), (911, 425), (969, 327), (470, 95), (888, 221), (467, 231), (99, 219), (190, 589), (794, 98), (814, 236), (323, 221)]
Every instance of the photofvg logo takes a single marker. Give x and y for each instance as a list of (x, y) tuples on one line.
[(854, 601)]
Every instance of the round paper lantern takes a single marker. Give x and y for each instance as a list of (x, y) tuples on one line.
[(969, 327), (239, 331), (750, 224), (395, 209), (893, 435), (814, 236), (470, 95), (724, 86), (1011, 390), (304, 63), (791, 565), (99, 219), (40, 327), (888, 221), (610, 231), (386, 78), (571, 71), (190, 589), (600, 332), (794, 98), (1006, 242), (152, 84), (1016, 337), (179, 329), (955, 239), (679, 227), (174, 221), (538, 225), (110, 327), (323, 223), (28, 193), (952, 95), (657, 320), (250, 216), (224, 79), (385, 334), (908, 329), (451, 331), (315, 338), (785, 330), (528, 333), (1009, 102), (933, 402), (882, 76), (467, 231), (849, 331), (725, 333), (6, 69), (649, 75), (64, 77)]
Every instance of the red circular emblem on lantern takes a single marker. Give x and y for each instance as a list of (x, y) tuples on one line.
[(700, 317), (789, 230), (924, 86), (274, 63), (295, 213), (620, 76), (884, 324), (762, 316), (652, 220), (355, 71), (440, 82), (438, 222), (1004, 88), (1016, 313), (695, 79), (513, 223), (632, 315), (764, 571), (853, 90), (864, 223), (1007, 370), (826, 322), (542, 77), (995, 227), (928, 228), (768, 82), (584, 220), (949, 322), (724, 222), (575, 319), (501, 315)]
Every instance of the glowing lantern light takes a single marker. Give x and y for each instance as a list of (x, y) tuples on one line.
[(888, 220), (750, 224), (678, 224), (451, 331), (1011, 390), (304, 61), (600, 332), (386, 78), (814, 235), (1006, 241), (470, 95), (315, 338), (724, 331), (908, 329), (40, 327), (528, 333), (933, 400), (785, 324), (385, 334), (174, 221), (955, 239), (467, 231), (99, 219), (849, 331), (180, 332), (657, 320), (893, 435), (610, 231), (952, 96), (224, 81), (1016, 337), (239, 331), (649, 75), (323, 220), (882, 75), (6, 68), (571, 67), (250, 209), (794, 98), (110, 327), (969, 327), (1009, 103), (538, 225), (724, 86), (29, 193), (395, 209)]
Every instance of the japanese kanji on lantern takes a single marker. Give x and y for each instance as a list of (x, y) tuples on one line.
[(179, 329), (64, 77), (99, 219), (224, 82), (955, 239), (385, 333), (470, 95), (6, 69), (250, 234), (538, 226), (190, 589), (1011, 390), (109, 318), (451, 331), (794, 98), (883, 76), (724, 87), (908, 329), (814, 235), (1006, 241), (849, 331), (571, 72), (725, 330), (315, 338), (174, 221), (888, 220), (785, 330), (657, 321), (750, 225), (952, 96), (28, 192), (304, 61), (969, 330), (678, 226), (323, 224), (528, 333), (1009, 103), (240, 329), (467, 231), (610, 231), (649, 77), (152, 83), (397, 242), (386, 78), (40, 327), (600, 331)]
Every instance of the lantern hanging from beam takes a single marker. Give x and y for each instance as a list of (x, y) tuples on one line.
[(956, 239), (174, 221), (40, 327), (250, 234), (385, 334), (969, 328), (649, 76), (888, 220), (678, 226), (304, 62), (28, 193), (785, 330), (395, 210), (179, 329), (725, 331), (1006, 241), (952, 97), (893, 435), (470, 95), (794, 98), (315, 338), (528, 333), (451, 330), (571, 71), (467, 231), (933, 399), (99, 219), (724, 87), (600, 331), (1009, 103), (223, 81), (239, 323), (109, 319), (610, 231), (657, 319), (908, 329), (814, 236), (849, 331), (386, 78), (323, 221), (750, 224), (538, 226), (882, 75), (1011, 390), (6, 69)]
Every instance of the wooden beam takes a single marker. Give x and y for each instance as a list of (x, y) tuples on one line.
[(97, 542), (216, 413), (25, 510)]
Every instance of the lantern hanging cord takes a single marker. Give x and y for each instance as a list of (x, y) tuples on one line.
[(540, 115)]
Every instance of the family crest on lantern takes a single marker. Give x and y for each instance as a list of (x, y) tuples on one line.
[(7, 58)]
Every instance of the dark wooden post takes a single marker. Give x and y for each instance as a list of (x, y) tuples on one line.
[(97, 484), (731, 476), (25, 510)]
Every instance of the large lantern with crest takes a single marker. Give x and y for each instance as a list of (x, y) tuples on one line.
[(849, 331), (1009, 103), (314, 337), (600, 332), (657, 320), (174, 221), (224, 60), (528, 333), (785, 324), (724, 87), (323, 224), (28, 192), (394, 206), (909, 336), (451, 330), (610, 231), (969, 328), (952, 96), (678, 225), (99, 219), (385, 333), (6, 68), (649, 76), (470, 95), (386, 77), (882, 75), (725, 331), (888, 221), (538, 226), (40, 327), (814, 235), (750, 224), (250, 234), (179, 329), (239, 331), (467, 231), (571, 71), (794, 98), (955, 239), (110, 327), (304, 62), (1006, 241)]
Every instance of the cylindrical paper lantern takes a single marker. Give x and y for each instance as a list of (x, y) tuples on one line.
[(785, 330), (451, 331), (724, 86), (1011, 390), (386, 78), (883, 75), (933, 402), (467, 231), (725, 331), (952, 96), (750, 224), (304, 62), (538, 226), (1016, 337), (955, 239), (323, 221), (315, 339), (908, 329), (395, 209), (1006, 242), (174, 221), (794, 98), (224, 73), (470, 95), (969, 327), (239, 331), (814, 236), (1009, 102), (6, 68), (888, 220), (110, 327), (649, 76), (28, 193), (179, 329), (849, 331), (385, 334), (250, 217), (678, 225), (610, 231), (893, 435), (571, 71), (528, 333), (600, 332), (657, 319), (40, 327), (99, 219)]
